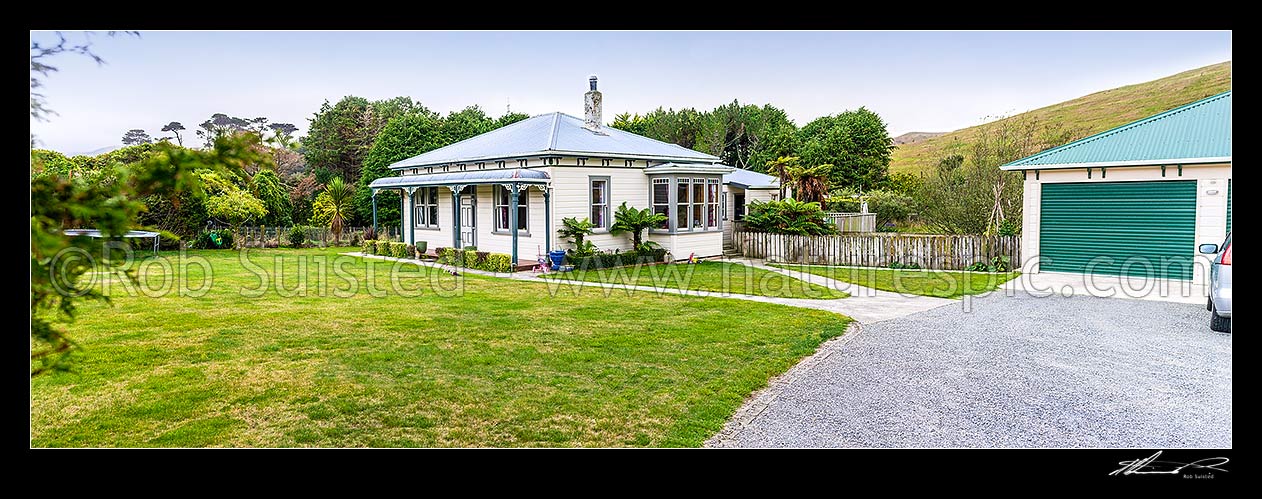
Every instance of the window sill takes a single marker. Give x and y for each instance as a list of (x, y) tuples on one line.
[(520, 233), (434, 228)]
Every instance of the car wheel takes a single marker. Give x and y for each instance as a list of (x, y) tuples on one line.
[(1220, 324)]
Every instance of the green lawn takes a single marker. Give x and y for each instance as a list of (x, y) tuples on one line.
[(719, 277), (493, 362), (939, 283)]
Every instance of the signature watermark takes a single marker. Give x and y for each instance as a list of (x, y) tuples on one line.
[(257, 273), (1198, 470)]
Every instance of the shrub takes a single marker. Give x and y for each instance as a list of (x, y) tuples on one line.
[(370, 233), (498, 262), (606, 259), (1009, 227), (997, 264), (383, 248), (899, 265), (572, 227), (480, 260), (297, 236), (788, 216), (411, 251), (355, 240), (212, 239), (368, 247), (398, 250)]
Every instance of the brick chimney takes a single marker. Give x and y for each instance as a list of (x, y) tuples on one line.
[(591, 106)]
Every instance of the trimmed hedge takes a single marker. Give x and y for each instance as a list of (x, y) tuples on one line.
[(398, 250), (604, 259), (480, 260), (368, 247), (383, 248)]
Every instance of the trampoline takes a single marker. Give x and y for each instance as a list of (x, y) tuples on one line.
[(131, 234)]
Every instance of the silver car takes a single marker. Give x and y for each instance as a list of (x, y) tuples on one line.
[(1219, 304)]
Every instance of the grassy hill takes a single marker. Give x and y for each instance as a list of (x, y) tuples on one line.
[(1094, 113)]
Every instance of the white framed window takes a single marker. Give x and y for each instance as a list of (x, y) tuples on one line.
[(503, 197), (698, 204), (425, 208), (712, 203), (598, 198), (661, 201), (682, 191)]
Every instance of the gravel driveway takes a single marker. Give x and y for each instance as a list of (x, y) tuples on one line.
[(1017, 371)]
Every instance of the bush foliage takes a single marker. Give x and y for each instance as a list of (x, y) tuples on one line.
[(788, 216)]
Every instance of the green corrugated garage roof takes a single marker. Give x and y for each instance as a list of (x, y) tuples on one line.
[(1199, 132)]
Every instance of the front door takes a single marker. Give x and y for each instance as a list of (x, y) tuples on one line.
[(738, 203), (468, 217)]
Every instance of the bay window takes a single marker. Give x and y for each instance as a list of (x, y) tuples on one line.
[(661, 201), (691, 204)]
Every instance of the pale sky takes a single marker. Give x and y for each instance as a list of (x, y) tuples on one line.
[(917, 81)]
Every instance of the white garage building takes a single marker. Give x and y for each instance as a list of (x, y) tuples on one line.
[(1135, 200)]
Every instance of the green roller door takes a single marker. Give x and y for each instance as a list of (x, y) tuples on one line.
[(1132, 228)]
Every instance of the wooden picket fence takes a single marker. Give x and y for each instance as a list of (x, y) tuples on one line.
[(879, 249), (271, 237)]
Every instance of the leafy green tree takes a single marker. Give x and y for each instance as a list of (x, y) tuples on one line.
[(283, 134), (136, 136), (510, 118), (336, 141), (746, 136), (855, 142), (404, 137), (676, 127), (468, 122), (175, 127), (266, 186), (236, 207), (221, 125), (627, 220), (59, 203)]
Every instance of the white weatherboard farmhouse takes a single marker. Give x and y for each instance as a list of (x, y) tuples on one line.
[(1134, 200), (556, 166)]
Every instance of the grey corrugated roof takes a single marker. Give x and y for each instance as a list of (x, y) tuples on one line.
[(751, 179), (670, 168), (492, 176), (554, 133)]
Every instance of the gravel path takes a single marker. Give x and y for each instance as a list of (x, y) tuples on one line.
[(1016, 371)]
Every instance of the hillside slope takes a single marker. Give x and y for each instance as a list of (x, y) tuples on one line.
[(1094, 113)]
